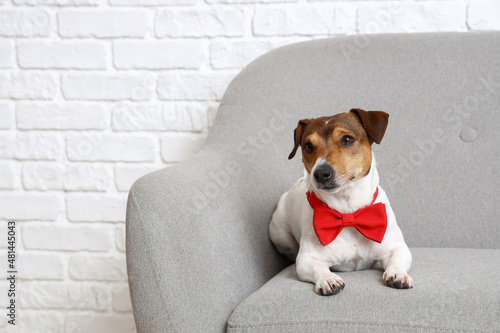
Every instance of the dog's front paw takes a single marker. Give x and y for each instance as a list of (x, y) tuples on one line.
[(398, 279), (332, 285)]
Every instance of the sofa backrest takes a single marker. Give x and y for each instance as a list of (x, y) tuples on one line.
[(440, 159)]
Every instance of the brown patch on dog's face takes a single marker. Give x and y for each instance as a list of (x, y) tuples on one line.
[(341, 141), (352, 161)]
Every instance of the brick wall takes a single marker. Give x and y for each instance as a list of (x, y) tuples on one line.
[(96, 93)]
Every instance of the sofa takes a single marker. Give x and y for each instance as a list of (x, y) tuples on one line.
[(199, 257)]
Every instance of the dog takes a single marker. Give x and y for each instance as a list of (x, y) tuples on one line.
[(352, 225)]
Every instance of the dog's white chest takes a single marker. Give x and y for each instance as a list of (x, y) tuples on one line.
[(350, 251)]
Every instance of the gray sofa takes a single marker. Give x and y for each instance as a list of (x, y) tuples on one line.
[(198, 252)]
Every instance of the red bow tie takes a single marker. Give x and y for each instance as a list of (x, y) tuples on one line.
[(370, 221)]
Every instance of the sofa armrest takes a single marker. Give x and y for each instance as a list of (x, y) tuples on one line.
[(197, 242)]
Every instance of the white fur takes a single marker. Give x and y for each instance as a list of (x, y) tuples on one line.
[(291, 230)]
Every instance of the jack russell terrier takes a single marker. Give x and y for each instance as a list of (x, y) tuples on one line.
[(337, 217)]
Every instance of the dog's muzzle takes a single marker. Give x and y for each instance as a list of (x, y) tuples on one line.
[(325, 177)]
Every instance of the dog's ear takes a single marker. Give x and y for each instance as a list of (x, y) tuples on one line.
[(374, 123), (297, 136)]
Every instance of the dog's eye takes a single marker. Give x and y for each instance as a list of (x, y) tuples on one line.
[(347, 140), (309, 147)]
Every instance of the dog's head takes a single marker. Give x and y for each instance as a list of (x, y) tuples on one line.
[(337, 150)]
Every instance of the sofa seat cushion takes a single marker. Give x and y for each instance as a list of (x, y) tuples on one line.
[(456, 290)]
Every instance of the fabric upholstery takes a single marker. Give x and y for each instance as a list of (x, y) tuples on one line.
[(447, 297), (197, 232), (189, 265)]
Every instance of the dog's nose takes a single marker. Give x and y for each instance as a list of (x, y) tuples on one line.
[(323, 173)]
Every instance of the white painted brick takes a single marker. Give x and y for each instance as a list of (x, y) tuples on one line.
[(412, 17), (121, 298), (247, 1), (7, 144), (38, 146), (100, 323), (120, 238), (152, 2), (57, 237), (196, 86), (228, 21), (40, 322), (85, 266), (6, 53), (88, 177), (99, 146), (158, 54), (8, 176), (41, 266), (30, 206), (62, 55), (43, 176), (68, 115), (484, 15), (177, 147), (6, 116), (137, 117), (126, 175), (57, 295), (96, 207), (4, 85), (58, 2), (32, 85), (75, 177), (108, 86), (318, 19), (4, 300), (345, 19), (154, 117), (3, 282), (103, 23), (3, 244), (224, 54), (185, 117), (24, 23)]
